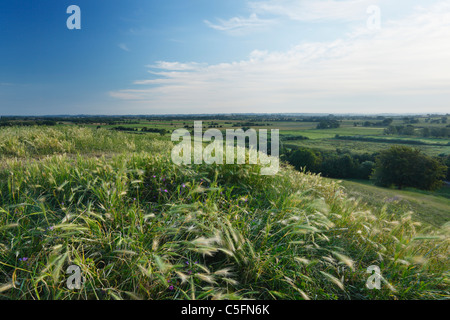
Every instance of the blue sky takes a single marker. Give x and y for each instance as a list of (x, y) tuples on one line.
[(225, 56)]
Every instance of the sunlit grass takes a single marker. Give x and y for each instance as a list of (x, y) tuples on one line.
[(141, 227)]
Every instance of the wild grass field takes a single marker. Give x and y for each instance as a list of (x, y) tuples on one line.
[(140, 227)]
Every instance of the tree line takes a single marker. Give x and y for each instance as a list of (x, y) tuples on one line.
[(399, 166), (409, 130)]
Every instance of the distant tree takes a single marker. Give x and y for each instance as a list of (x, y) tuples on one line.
[(447, 163), (305, 158), (346, 166), (328, 124), (339, 166), (409, 130), (407, 167), (390, 130), (445, 160), (366, 169)]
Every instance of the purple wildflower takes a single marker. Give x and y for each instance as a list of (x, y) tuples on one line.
[(23, 259), (171, 288)]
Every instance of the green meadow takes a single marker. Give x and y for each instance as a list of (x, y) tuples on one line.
[(140, 227)]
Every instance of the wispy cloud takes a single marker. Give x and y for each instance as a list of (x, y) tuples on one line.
[(317, 10), (123, 46), (239, 24), (175, 66), (298, 10), (403, 67)]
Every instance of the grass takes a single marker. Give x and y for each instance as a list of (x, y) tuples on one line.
[(27, 142), (331, 144), (140, 227), (428, 207)]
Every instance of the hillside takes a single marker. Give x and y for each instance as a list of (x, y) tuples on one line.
[(140, 227), (431, 208)]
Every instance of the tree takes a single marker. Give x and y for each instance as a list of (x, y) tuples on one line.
[(162, 132), (341, 165), (387, 122), (328, 124), (365, 169), (303, 157), (346, 167), (407, 167)]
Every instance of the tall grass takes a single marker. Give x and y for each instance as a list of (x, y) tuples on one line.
[(140, 227), (26, 142)]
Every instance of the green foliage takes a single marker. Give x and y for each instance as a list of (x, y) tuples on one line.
[(407, 167), (328, 124), (365, 169), (40, 141), (425, 132), (340, 164), (305, 159), (141, 227)]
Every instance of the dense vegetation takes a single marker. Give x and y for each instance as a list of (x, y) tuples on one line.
[(341, 164), (142, 228), (328, 124), (400, 166), (406, 167), (410, 130)]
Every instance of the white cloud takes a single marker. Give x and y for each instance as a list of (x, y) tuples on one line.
[(317, 10), (240, 25), (175, 66), (404, 67)]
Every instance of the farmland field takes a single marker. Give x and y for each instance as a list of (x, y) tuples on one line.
[(317, 139)]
